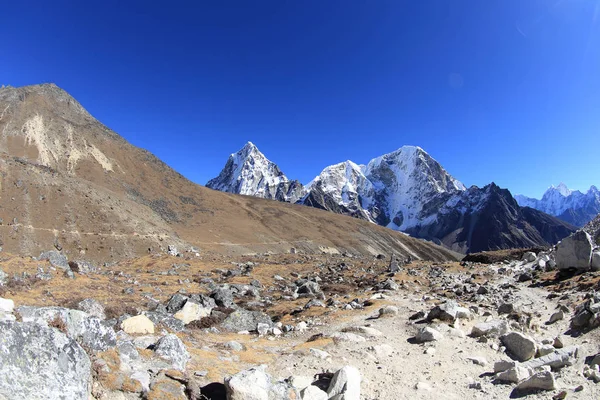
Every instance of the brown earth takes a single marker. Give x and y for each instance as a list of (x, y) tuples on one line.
[(68, 181)]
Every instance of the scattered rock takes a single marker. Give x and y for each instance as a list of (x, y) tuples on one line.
[(388, 311), (448, 312)]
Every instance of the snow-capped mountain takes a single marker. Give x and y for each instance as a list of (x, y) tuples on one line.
[(404, 190), (342, 188), (249, 172), (405, 182), (571, 206)]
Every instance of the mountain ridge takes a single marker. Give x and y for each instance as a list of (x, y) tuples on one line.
[(409, 191), (572, 206), (67, 181)]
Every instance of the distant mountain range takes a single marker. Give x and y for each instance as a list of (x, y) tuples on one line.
[(405, 190), (572, 206)]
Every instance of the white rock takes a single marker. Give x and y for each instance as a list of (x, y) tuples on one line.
[(428, 334), (540, 381), (557, 316), (345, 382), (323, 355), (252, 384), (192, 312), (365, 330), (493, 328), (382, 350), (514, 374), (138, 325), (6, 305), (313, 393), (574, 251), (300, 382)]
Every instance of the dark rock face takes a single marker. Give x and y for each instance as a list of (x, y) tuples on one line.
[(48, 364), (490, 219)]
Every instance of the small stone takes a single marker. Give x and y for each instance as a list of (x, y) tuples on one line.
[(557, 316), (478, 361)]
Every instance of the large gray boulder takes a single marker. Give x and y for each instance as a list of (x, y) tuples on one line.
[(520, 346), (78, 325), (345, 384), (448, 312), (574, 251), (244, 320), (171, 348), (56, 259), (38, 362)]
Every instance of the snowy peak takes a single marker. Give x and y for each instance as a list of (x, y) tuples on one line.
[(250, 173), (572, 206), (405, 181)]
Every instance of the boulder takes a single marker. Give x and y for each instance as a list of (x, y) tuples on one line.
[(244, 320), (428, 334), (341, 337), (596, 261), (38, 362), (529, 256), (574, 251), (138, 325), (78, 325), (388, 311), (448, 312), (313, 393), (306, 288), (515, 374), (171, 348), (192, 312), (345, 384), (252, 384), (520, 346), (543, 380), (56, 259), (176, 303), (494, 328), (560, 358), (6, 305), (92, 307)]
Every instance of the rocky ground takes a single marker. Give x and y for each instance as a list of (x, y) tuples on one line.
[(296, 326)]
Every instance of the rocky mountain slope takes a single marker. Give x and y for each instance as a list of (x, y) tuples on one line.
[(69, 182), (409, 191), (572, 206), (250, 173)]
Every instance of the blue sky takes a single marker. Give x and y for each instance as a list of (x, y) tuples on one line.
[(496, 90)]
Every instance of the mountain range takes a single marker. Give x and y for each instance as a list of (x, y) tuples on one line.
[(405, 190), (69, 182), (572, 206)]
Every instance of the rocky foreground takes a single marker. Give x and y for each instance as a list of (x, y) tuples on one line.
[(185, 326)]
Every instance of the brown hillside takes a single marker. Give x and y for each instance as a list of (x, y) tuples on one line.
[(69, 181)]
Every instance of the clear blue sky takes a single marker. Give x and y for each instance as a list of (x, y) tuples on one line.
[(496, 90)]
